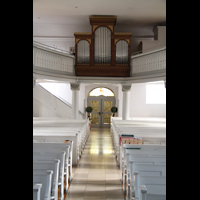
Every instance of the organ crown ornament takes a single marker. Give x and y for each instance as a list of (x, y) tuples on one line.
[(102, 52)]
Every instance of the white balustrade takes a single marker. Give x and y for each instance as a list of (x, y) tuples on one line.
[(53, 60), (149, 61)]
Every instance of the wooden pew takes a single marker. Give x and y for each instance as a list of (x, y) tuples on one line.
[(146, 139), (54, 166), (140, 159), (36, 191), (138, 180), (138, 150), (149, 193), (44, 178), (57, 148), (60, 122), (44, 132), (47, 157), (146, 169), (57, 139), (151, 130)]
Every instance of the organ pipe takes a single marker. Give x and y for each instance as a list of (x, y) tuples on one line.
[(102, 52)]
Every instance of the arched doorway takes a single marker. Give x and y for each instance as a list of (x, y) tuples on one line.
[(101, 99)]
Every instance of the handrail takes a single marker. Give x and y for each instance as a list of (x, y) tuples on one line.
[(52, 49), (149, 52)]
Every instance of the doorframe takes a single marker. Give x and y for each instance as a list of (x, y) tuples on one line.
[(101, 98)]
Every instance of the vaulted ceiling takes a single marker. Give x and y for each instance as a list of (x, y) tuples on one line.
[(55, 21)]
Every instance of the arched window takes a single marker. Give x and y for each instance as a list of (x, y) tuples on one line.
[(83, 51), (122, 52), (102, 53), (101, 91)]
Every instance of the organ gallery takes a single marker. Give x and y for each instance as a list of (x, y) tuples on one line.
[(102, 52)]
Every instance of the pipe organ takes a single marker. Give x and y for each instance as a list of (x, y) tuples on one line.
[(102, 52)]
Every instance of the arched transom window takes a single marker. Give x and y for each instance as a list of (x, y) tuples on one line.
[(101, 91)]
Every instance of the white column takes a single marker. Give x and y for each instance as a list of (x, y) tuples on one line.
[(75, 100), (126, 101)]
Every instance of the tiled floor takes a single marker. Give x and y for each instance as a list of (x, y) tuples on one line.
[(97, 175)]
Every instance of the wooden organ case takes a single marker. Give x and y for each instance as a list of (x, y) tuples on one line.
[(102, 52)]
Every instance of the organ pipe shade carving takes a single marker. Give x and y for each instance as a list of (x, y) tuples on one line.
[(83, 51), (102, 53), (122, 52)]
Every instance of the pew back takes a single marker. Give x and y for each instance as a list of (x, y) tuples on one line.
[(44, 178), (54, 166), (151, 182), (138, 149), (57, 148), (147, 193), (48, 157), (37, 191)]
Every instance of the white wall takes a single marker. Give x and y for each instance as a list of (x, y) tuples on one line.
[(138, 106), (82, 98), (159, 42), (47, 105), (60, 89)]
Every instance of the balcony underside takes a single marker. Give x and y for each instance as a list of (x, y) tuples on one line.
[(105, 70)]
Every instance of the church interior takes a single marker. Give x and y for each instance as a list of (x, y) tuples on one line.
[(99, 100)]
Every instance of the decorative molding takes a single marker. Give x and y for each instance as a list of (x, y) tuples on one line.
[(77, 40), (94, 27), (111, 27), (89, 40), (74, 86), (128, 40), (126, 88), (116, 40)]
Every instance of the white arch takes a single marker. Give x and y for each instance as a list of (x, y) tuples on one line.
[(101, 91)]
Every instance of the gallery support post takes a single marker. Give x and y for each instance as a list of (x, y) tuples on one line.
[(75, 100)]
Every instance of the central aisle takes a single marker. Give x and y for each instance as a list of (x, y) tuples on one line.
[(97, 175)]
